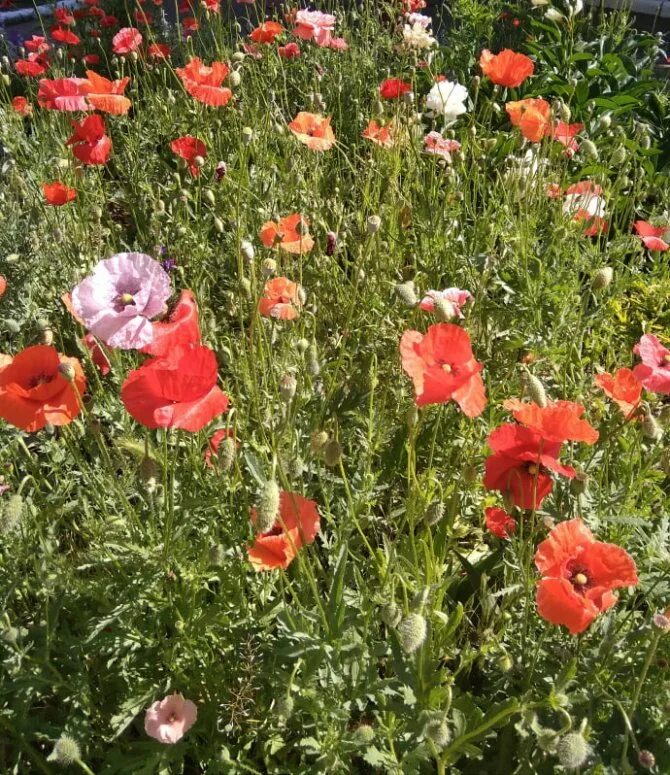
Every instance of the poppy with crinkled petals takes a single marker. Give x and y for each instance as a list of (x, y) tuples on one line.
[(63, 35), (58, 194), (565, 134), (89, 142), (203, 82), (506, 68), (281, 299), (296, 525), (380, 134), (394, 88), (33, 66), (289, 51), (105, 95), (266, 32), (189, 148), (34, 392), (65, 94), (651, 236), (578, 576), (499, 522), (22, 107), (291, 234), (623, 388), (532, 116), (557, 422), (654, 371), (181, 327), (177, 391), (313, 130), (126, 41), (443, 367)]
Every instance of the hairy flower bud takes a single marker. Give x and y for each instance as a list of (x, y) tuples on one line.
[(407, 293), (390, 614), (434, 513), (66, 370), (268, 267), (535, 389), (332, 453), (602, 278), (373, 224), (572, 750), (226, 453), (363, 735), (268, 506), (287, 387), (317, 442), (66, 751), (437, 731), (412, 632)]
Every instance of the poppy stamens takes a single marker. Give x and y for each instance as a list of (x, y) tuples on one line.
[(580, 579)]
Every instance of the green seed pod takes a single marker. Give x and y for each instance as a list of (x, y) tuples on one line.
[(437, 731), (66, 370), (572, 750), (412, 632), (268, 267), (66, 751), (268, 506)]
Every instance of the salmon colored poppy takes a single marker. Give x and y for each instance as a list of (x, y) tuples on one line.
[(623, 388), (281, 299), (177, 391), (297, 525), (58, 194), (532, 116), (181, 327), (34, 392), (126, 41), (506, 68), (652, 235), (289, 51), (654, 371), (291, 234), (394, 88), (313, 130), (565, 134), (578, 576), (21, 106), (558, 421), (65, 94), (380, 135), (189, 148), (89, 142), (105, 95), (443, 367), (203, 83), (499, 522), (266, 32)]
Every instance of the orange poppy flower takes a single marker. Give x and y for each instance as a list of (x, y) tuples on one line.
[(506, 68), (281, 299), (313, 130), (266, 32), (578, 575), (532, 116), (297, 525), (623, 388), (559, 421), (381, 135), (290, 234), (105, 95), (58, 194), (21, 106), (34, 392), (443, 367), (203, 83)]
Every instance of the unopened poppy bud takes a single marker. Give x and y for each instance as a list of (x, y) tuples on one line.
[(651, 429), (572, 750), (588, 148), (332, 453), (475, 82), (363, 735), (437, 731), (245, 285), (390, 614), (66, 370), (535, 389), (218, 225), (199, 161), (216, 555), (412, 416), (12, 326), (66, 751), (235, 78), (412, 632), (579, 484), (247, 250), (331, 243), (407, 293), (47, 335), (604, 122), (284, 706), (619, 155), (287, 387), (268, 267), (312, 358), (552, 15), (247, 135), (373, 224), (160, 207), (301, 346), (434, 513), (317, 442), (226, 453), (602, 278), (208, 195), (268, 506), (11, 514), (646, 759), (564, 112), (645, 142), (238, 56)]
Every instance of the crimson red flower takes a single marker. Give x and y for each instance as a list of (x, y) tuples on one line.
[(98, 355), (58, 194), (499, 522), (506, 68), (558, 421), (126, 41), (652, 236), (578, 576), (654, 371), (21, 106), (91, 59), (289, 51), (63, 35), (189, 148), (37, 44), (281, 299), (180, 328), (177, 391), (394, 88), (159, 50), (623, 388), (266, 32), (89, 142), (34, 392), (32, 67), (520, 465), (297, 524), (63, 16), (442, 367), (203, 82)]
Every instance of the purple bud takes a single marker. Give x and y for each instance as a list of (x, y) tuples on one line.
[(169, 264), (220, 171), (331, 244)]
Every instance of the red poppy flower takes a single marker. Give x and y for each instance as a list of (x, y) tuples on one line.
[(189, 25), (32, 67), (21, 106), (566, 133), (89, 142), (97, 354), (313, 130), (289, 51), (380, 135), (520, 465), (34, 392), (291, 234), (266, 32), (559, 421), (189, 148), (281, 299), (63, 35), (180, 328), (652, 235), (532, 116), (578, 576), (654, 371), (108, 22), (65, 94), (499, 522), (105, 95), (58, 194), (203, 83), (623, 388), (442, 367), (159, 51), (91, 59), (394, 88), (63, 16), (297, 525), (506, 68), (3, 285), (37, 44), (177, 391), (126, 41), (213, 444)]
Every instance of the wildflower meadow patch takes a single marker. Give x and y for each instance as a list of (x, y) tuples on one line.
[(334, 390)]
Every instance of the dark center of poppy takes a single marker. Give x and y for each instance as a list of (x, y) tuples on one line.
[(172, 718), (533, 469), (579, 579), (39, 379)]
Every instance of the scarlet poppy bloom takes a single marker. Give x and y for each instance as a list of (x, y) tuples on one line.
[(559, 421), (159, 51), (532, 116), (520, 465), (203, 83), (66, 94), (652, 235), (578, 576), (623, 388), (32, 67), (297, 525), (499, 522), (189, 25), (126, 41), (281, 299), (177, 391), (506, 68), (63, 16), (107, 21), (189, 148), (394, 88), (654, 371), (442, 367), (58, 194), (63, 35), (91, 59), (289, 51), (313, 130), (213, 445), (266, 32), (97, 354), (21, 106), (3, 285), (37, 44), (105, 95), (89, 142), (291, 234), (180, 328), (380, 135), (34, 392), (565, 134)]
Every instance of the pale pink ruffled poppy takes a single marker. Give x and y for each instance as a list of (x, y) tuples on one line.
[(654, 371), (436, 145), (452, 298), (314, 25), (120, 297), (169, 719)]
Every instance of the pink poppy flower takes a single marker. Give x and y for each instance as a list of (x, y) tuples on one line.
[(652, 236), (453, 299), (654, 371), (167, 720), (436, 145), (584, 203), (126, 40), (119, 298), (314, 25)]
